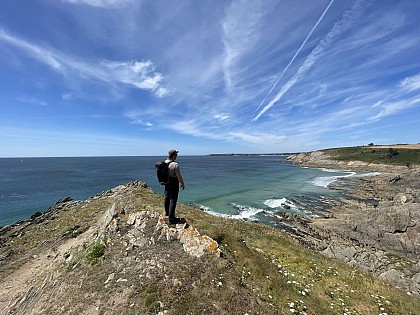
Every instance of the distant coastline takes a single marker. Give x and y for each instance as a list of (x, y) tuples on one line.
[(251, 154)]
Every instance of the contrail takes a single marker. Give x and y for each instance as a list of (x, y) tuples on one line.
[(337, 29), (296, 54)]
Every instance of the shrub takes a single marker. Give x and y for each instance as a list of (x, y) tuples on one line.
[(96, 251)]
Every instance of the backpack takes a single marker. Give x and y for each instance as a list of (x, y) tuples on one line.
[(162, 172)]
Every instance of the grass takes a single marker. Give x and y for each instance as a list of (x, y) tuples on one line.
[(96, 251), (405, 157), (263, 270), (283, 273)]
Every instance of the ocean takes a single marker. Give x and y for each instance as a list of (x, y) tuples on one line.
[(243, 187)]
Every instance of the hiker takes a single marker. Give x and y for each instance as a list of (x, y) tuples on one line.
[(172, 188)]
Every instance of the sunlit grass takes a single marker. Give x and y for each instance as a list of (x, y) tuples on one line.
[(263, 270)]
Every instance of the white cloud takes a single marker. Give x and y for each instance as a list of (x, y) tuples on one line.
[(32, 100), (391, 108), (221, 116), (100, 3), (140, 74), (259, 138), (317, 53), (67, 96), (241, 29), (34, 51), (411, 83)]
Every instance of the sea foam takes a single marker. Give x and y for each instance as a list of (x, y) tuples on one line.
[(243, 212), (324, 181)]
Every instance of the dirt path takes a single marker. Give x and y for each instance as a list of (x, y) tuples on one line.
[(30, 289)]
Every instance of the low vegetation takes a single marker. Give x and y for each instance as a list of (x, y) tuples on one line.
[(380, 155), (262, 271)]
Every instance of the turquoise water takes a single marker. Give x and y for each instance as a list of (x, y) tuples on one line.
[(249, 187)]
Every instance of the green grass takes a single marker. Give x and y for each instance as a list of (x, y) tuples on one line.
[(405, 157), (283, 273), (96, 251)]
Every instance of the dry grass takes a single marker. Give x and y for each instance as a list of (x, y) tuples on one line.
[(263, 270)]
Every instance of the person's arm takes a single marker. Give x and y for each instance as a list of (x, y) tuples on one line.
[(181, 180)]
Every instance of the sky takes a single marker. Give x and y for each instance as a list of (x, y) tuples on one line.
[(140, 77)]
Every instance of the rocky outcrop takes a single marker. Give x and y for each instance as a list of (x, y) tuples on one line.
[(377, 229), (322, 159), (192, 241)]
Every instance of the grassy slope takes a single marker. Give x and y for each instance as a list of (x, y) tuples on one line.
[(380, 155), (263, 270)]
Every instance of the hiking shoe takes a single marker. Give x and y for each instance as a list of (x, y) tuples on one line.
[(175, 221)]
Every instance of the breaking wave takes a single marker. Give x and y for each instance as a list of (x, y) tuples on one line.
[(324, 181)]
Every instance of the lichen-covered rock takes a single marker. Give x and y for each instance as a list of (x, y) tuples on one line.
[(193, 242)]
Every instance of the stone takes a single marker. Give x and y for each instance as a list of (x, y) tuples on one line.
[(110, 277)]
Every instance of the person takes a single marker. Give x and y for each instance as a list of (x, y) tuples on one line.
[(172, 188)]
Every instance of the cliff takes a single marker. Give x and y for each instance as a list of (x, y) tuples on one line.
[(377, 228), (115, 254), (328, 159)]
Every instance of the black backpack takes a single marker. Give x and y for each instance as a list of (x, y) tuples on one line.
[(162, 172)]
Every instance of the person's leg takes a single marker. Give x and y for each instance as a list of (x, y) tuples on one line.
[(167, 200), (173, 198)]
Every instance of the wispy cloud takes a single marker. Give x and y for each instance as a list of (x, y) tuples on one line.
[(32, 50), (337, 29), (100, 3), (31, 100), (391, 108), (259, 75), (296, 54), (411, 83), (241, 30), (138, 74)]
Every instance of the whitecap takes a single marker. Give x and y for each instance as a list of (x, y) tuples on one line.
[(324, 181), (282, 204), (244, 212)]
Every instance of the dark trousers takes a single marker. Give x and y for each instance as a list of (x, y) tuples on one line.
[(171, 198)]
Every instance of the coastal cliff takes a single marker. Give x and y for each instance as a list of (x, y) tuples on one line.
[(114, 253), (377, 228), (328, 160)]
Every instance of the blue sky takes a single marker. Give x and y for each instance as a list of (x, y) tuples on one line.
[(128, 77)]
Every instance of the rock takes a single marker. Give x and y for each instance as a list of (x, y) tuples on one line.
[(64, 200), (110, 221), (6, 254), (36, 215), (402, 198), (176, 283), (110, 277), (193, 243)]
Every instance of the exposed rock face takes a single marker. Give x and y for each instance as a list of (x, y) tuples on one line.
[(193, 243), (322, 159), (383, 236), (140, 249)]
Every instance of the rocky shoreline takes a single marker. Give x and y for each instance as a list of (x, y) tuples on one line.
[(377, 228)]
